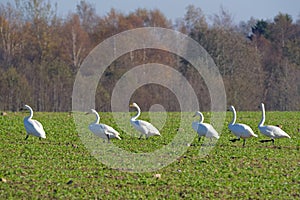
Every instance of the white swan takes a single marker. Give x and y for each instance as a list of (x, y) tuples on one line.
[(204, 129), (33, 127), (102, 130), (273, 132), (142, 126), (240, 130)]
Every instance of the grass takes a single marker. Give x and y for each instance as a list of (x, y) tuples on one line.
[(60, 167)]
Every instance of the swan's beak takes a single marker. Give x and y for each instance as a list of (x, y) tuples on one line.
[(131, 105), (22, 109), (195, 114)]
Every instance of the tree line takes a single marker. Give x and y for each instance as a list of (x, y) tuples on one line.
[(40, 54)]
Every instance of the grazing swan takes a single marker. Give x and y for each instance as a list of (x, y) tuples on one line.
[(271, 131), (33, 127), (204, 129), (102, 130), (240, 130), (142, 126)]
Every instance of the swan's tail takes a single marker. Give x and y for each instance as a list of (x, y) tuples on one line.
[(254, 135), (117, 136)]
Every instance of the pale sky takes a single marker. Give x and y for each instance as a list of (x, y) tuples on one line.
[(241, 10)]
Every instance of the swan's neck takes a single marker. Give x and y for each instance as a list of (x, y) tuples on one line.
[(137, 115), (201, 118), (263, 116), (234, 117), (97, 118), (31, 113)]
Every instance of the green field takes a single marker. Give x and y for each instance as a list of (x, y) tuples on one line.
[(60, 167)]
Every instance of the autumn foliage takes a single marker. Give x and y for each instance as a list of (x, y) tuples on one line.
[(40, 54)]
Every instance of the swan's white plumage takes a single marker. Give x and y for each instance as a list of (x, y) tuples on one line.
[(273, 132), (204, 129), (145, 128), (270, 131), (240, 130), (33, 127), (102, 130)]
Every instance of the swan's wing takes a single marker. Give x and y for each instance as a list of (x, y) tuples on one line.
[(267, 131), (211, 132), (248, 131), (150, 129), (98, 130), (276, 132), (242, 130), (138, 127), (29, 126), (111, 131), (37, 123), (34, 127), (200, 128)]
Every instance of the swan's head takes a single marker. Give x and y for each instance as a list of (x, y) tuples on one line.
[(93, 110), (279, 126), (197, 113), (28, 107), (232, 108), (133, 105), (24, 108), (261, 106)]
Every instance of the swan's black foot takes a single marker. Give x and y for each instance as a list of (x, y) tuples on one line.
[(263, 141), (271, 140), (235, 139), (26, 137)]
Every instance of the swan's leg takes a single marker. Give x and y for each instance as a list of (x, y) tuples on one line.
[(273, 141), (108, 139), (199, 138), (141, 136), (210, 142), (26, 137), (244, 142)]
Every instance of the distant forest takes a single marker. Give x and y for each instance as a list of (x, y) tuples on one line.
[(40, 54)]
